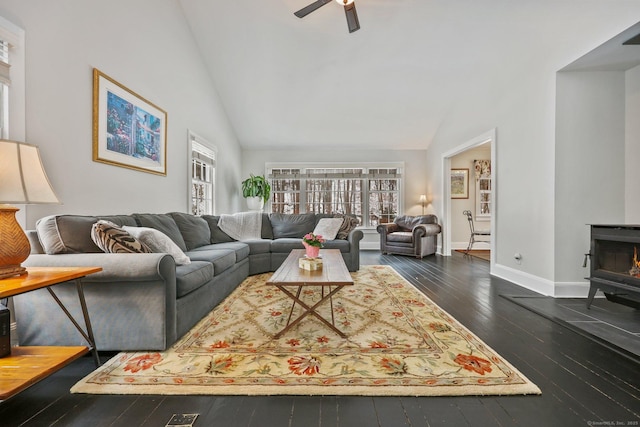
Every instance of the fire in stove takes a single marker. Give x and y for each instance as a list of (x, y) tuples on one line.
[(635, 268)]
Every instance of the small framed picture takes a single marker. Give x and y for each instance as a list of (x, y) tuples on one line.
[(460, 183), (128, 130)]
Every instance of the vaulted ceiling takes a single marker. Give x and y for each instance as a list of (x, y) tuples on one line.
[(289, 82)]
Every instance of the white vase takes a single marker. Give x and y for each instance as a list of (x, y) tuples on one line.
[(255, 203)]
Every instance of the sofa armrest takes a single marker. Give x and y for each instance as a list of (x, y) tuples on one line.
[(354, 238), (115, 267), (422, 230), (132, 303)]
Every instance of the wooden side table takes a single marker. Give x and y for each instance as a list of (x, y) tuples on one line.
[(28, 365)]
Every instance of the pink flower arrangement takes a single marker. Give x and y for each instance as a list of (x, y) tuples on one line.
[(313, 239)]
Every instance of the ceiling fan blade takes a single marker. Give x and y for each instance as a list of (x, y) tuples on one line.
[(352, 17), (313, 6)]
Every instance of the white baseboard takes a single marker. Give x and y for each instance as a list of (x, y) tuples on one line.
[(542, 286), (483, 246), (572, 289), (523, 279)]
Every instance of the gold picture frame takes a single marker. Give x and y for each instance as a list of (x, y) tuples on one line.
[(459, 183), (128, 130)]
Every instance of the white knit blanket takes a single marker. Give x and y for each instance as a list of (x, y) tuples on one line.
[(242, 225)]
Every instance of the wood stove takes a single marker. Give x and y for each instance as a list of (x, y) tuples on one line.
[(615, 263)]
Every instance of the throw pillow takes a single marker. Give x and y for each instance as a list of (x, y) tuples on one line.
[(328, 228), (349, 223), (159, 242), (291, 225), (113, 239), (194, 229), (67, 234), (163, 222)]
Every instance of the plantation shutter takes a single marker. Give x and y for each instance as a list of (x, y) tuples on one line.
[(4, 63)]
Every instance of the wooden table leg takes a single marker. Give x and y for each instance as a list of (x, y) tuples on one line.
[(309, 310)]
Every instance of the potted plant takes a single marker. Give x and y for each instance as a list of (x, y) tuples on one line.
[(312, 244), (256, 190)]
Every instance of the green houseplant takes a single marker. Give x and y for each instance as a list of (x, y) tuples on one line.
[(256, 187)]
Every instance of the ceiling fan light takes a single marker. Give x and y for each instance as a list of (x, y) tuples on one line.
[(344, 2)]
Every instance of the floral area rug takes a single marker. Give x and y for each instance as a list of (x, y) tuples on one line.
[(399, 343)]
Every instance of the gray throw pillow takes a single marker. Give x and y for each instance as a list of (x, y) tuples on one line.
[(66, 234), (163, 223), (217, 235), (292, 225), (195, 230)]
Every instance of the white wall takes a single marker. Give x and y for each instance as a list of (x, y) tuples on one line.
[(146, 46), (524, 117), (590, 167), (590, 177), (632, 144)]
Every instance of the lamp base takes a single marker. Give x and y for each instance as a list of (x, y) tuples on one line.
[(14, 244), (12, 270)]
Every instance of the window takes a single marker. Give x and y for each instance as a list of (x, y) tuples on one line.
[(370, 193), (482, 169), (12, 81), (203, 172), (5, 80)]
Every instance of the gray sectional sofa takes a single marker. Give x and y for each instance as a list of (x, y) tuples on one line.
[(144, 301)]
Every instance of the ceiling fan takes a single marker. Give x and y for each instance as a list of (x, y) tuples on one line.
[(349, 10)]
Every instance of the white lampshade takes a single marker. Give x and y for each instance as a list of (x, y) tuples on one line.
[(423, 198), (22, 176)]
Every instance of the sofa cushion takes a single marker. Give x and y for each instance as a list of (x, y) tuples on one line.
[(267, 229), (113, 239), (400, 237), (262, 246), (241, 249), (120, 220), (195, 230), (158, 242), (221, 259), (216, 235), (192, 276), (286, 245), (343, 245), (349, 223), (163, 223), (292, 225)]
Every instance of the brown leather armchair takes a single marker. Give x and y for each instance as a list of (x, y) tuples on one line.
[(410, 235)]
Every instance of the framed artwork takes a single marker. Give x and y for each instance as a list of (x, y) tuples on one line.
[(459, 183), (128, 130)]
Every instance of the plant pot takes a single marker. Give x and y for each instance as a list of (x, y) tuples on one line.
[(255, 203), (312, 251)]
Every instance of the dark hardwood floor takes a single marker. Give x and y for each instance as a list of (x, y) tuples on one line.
[(583, 383)]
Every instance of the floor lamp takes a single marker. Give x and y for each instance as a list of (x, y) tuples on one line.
[(423, 199), (22, 181)]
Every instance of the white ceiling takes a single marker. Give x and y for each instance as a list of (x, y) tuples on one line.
[(287, 82)]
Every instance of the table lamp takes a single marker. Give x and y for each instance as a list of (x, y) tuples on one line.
[(22, 181)]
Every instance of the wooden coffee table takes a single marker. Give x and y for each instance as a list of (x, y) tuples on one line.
[(333, 275)]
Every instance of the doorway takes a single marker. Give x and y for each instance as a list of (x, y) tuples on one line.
[(455, 224)]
